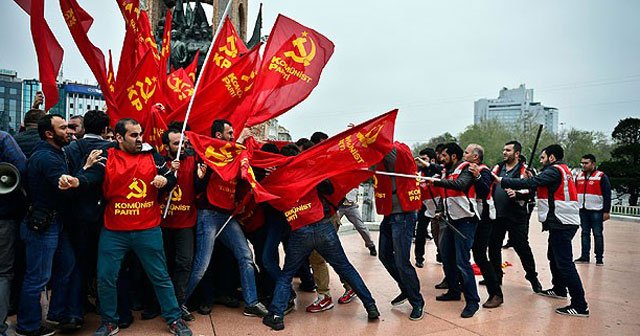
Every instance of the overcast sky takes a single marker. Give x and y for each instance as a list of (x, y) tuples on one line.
[(430, 59)]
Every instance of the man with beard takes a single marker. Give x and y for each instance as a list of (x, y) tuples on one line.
[(76, 124), (558, 210), (42, 232), (131, 178), (512, 216), (461, 214)]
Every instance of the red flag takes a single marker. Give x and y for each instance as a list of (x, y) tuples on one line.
[(218, 99), (344, 182), (222, 156), (177, 89), (79, 23), (293, 61), (359, 147), (138, 95), (48, 50), (227, 50), (191, 69), (165, 52), (128, 60), (154, 128)]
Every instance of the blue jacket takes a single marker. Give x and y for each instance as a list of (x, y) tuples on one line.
[(44, 168)]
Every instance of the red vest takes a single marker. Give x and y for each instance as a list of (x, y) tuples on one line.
[(590, 191), (565, 199), (430, 196), (182, 211), (407, 189), (221, 193), (306, 211), (253, 218), (132, 202), (458, 203)]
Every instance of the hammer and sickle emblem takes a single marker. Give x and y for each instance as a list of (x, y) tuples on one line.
[(176, 196), (303, 57), (370, 137), (230, 48), (147, 91), (375, 182), (138, 189), (222, 156), (70, 18)]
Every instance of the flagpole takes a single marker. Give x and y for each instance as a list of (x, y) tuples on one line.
[(405, 175), (225, 223), (195, 90)]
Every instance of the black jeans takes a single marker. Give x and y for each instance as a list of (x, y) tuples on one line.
[(480, 246), (421, 235), (519, 236), (563, 270), (178, 246)]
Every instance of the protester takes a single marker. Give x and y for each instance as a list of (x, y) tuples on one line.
[(349, 208), (430, 197), (29, 138), (76, 124), (594, 199)]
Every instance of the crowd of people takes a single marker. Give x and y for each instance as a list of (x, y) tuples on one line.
[(108, 225)]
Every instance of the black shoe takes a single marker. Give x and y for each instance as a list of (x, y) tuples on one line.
[(149, 314), (438, 258), (599, 263), (581, 260), (507, 245), (42, 331), (179, 328), (372, 250), (186, 314), (70, 324), (428, 237), (448, 296), (443, 284), (204, 309), (417, 313), (494, 301), (107, 329), (469, 310), (419, 264), (552, 294), (125, 323), (482, 282), (569, 310), (307, 288), (274, 322), (257, 309), (372, 312), (400, 299), (290, 306), (536, 286), (227, 301)]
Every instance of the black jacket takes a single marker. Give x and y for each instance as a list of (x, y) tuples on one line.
[(28, 140)]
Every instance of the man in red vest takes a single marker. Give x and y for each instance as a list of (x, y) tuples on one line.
[(558, 212), (461, 212), (131, 178), (594, 198), (398, 199)]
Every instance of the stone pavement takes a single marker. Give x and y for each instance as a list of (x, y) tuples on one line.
[(614, 301)]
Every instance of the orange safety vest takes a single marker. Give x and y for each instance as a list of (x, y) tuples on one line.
[(590, 191), (458, 203), (565, 199)]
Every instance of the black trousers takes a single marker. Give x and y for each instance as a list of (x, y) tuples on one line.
[(519, 236), (480, 247), (178, 247), (421, 235)]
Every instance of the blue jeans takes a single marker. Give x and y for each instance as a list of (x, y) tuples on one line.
[(7, 245), (148, 246), (396, 234), (455, 252), (209, 223), (276, 232), (42, 249), (322, 237), (563, 270), (592, 220)]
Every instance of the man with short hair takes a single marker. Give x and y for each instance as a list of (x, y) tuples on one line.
[(512, 215), (458, 190), (594, 198), (211, 218), (29, 138), (76, 124), (42, 231), (131, 178), (558, 210)]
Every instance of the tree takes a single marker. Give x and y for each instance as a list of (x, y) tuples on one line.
[(442, 138), (622, 168), (491, 135), (577, 143)]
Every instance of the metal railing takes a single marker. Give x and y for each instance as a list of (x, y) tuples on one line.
[(625, 210)]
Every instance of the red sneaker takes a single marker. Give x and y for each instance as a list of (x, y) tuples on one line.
[(322, 303), (347, 297)]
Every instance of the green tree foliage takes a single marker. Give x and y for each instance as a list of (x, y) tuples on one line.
[(622, 168), (442, 138)]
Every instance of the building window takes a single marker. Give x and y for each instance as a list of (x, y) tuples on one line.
[(71, 105), (13, 104), (2, 103), (1, 89), (13, 91)]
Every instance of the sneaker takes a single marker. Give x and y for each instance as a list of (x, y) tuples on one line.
[(227, 301), (290, 306), (204, 309), (469, 310), (569, 310), (322, 303), (107, 329), (581, 260), (417, 313), (536, 286), (372, 250), (274, 322), (186, 314), (125, 323), (70, 324), (552, 294), (257, 309), (494, 301), (443, 284), (599, 263), (448, 296), (400, 299), (179, 327), (52, 322), (347, 297), (419, 264), (482, 282), (372, 312), (42, 331)]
